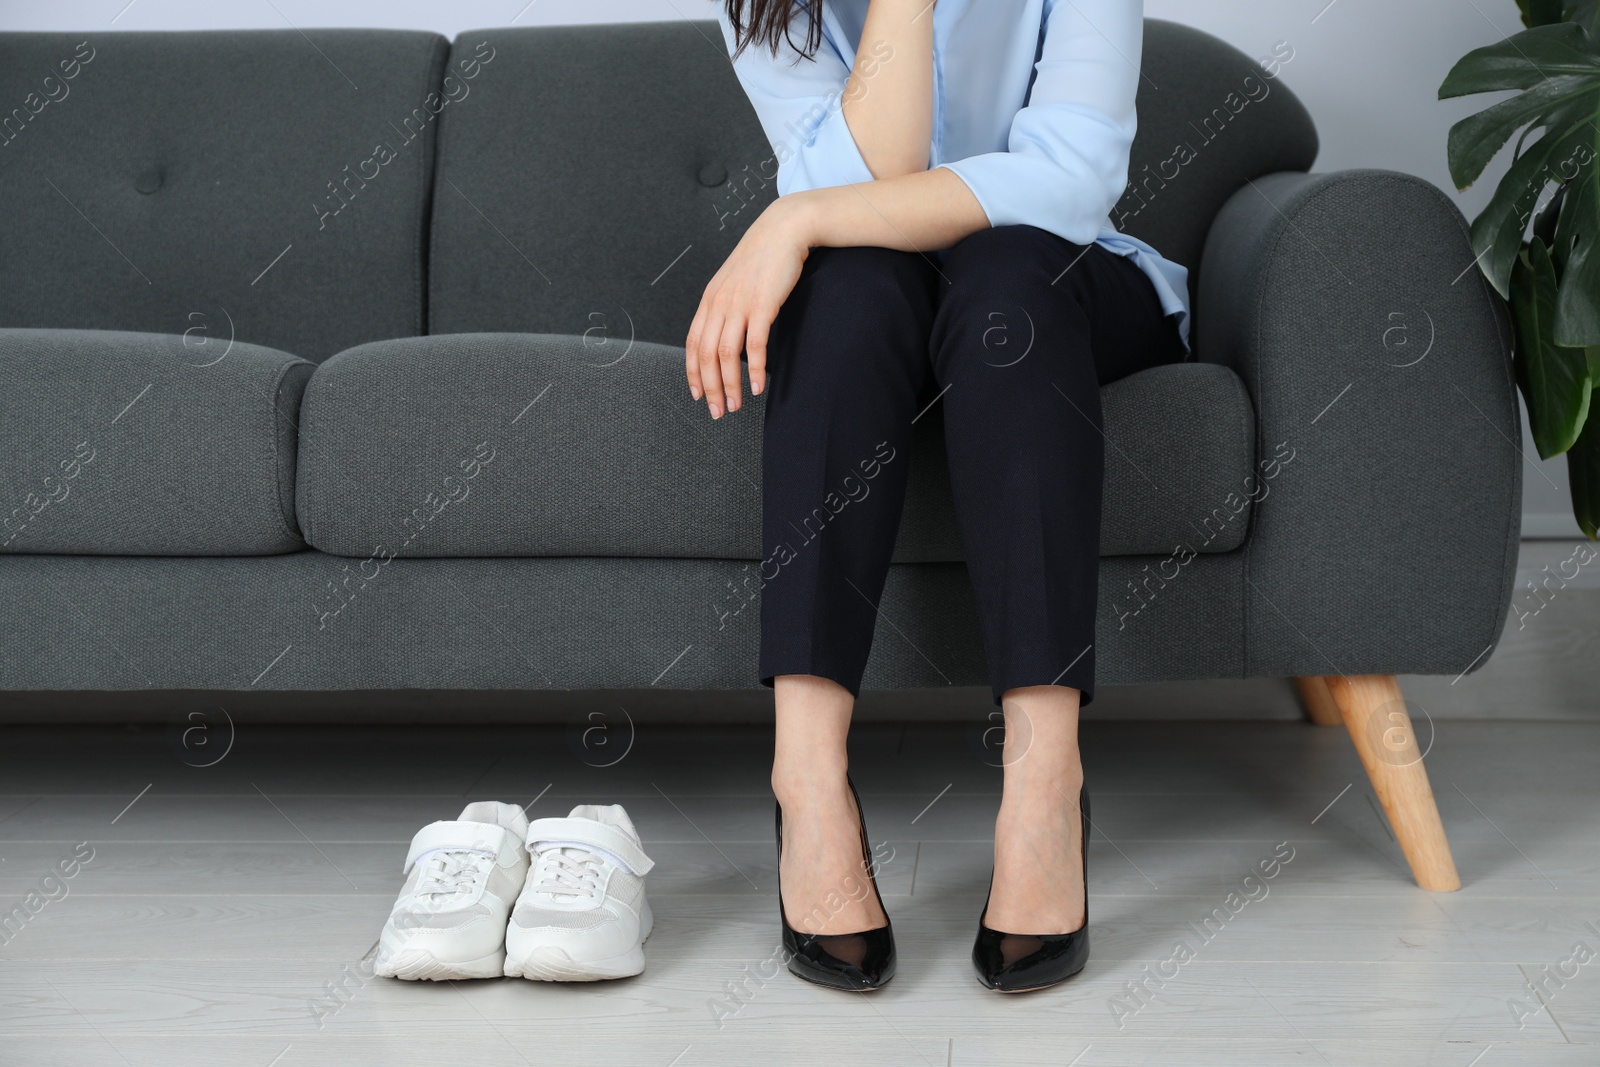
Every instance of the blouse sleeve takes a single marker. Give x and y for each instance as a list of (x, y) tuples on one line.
[(800, 103), (1067, 163)]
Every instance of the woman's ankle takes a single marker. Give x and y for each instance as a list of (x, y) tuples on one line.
[(805, 782), (812, 724), (1040, 785)]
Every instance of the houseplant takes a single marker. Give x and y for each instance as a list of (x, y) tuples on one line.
[(1542, 259)]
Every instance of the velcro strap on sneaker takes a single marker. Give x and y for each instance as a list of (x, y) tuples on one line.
[(608, 841), (458, 837)]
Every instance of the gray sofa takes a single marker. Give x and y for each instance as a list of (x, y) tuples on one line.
[(348, 360)]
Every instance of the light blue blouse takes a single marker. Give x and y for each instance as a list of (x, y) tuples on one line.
[(1033, 108)]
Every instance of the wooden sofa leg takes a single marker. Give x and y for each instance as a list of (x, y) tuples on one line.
[(1316, 703), (1375, 714)]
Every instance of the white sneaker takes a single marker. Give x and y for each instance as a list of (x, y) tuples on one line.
[(450, 918), (582, 916)]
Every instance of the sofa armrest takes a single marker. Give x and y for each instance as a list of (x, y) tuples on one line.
[(144, 444), (1377, 359)]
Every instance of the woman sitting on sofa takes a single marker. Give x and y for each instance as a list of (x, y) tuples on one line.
[(946, 171)]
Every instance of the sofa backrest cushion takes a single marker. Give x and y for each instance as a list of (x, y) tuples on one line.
[(601, 174), (1210, 119), (262, 186), (594, 182)]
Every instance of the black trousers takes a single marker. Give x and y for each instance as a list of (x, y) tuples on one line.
[(1013, 334)]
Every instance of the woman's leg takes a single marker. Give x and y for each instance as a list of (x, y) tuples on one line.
[(847, 366), (1028, 329), (825, 888)]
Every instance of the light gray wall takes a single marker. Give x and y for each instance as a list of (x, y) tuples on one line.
[(1369, 71)]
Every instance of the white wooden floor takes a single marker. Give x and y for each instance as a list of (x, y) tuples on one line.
[(227, 912)]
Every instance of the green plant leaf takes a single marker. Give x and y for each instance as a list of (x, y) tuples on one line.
[(1497, 231), (1577, 232), (1585, 13), (1477, 139), (1583, 471), (1522, 61), (1544, 226), (1555, 380), (1540, 12)]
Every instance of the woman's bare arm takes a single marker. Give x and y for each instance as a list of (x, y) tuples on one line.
[(913, 213), (918, 212), (888, 99)]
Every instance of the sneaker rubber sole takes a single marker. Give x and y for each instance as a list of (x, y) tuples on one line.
[(420, 965), (550, 964)]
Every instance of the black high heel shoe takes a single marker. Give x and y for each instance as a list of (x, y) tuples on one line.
[(854, 962), (1017, 963)]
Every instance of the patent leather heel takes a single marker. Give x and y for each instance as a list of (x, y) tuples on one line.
[(855, 962), (1017, 963)]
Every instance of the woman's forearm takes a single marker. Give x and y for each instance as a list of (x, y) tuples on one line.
[(888, 100), (912, 213)]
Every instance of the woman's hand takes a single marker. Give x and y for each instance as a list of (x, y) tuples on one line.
[(740, 303)]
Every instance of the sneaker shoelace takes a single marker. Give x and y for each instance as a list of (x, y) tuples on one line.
[(451, 872), (569, 873)]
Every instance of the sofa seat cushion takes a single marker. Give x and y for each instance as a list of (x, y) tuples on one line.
[(550, 445), (507, 444), (1179, 478), (143, 444)]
